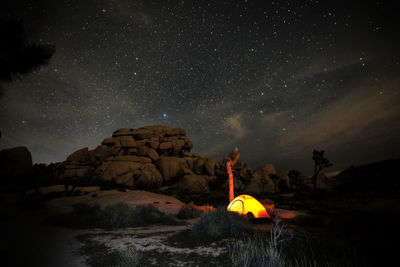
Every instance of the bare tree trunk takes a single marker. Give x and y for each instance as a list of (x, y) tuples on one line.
[(231, 188)]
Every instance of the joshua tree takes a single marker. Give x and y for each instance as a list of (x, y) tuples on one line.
[(18, 56), (264, 182), (320, 163), (294, 179), (275, 179)]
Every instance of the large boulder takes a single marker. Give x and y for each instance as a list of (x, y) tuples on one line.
[(123, 132), (165, 146), (148, 176), (198, 166), (170, 167), (209, 166), (153, 154), (120, 171), (81, 155), (15, 164), (194, 184), (127, 141), (100, 153), (111, 141)]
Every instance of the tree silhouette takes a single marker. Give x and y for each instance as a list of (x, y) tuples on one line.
[(275, 179), (294, 176), (19, 57), (320, 163), (264, 182)]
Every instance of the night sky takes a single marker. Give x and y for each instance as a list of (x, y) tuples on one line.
[(274, 78)]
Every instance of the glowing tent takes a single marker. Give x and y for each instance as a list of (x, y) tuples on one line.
[(248, 206)]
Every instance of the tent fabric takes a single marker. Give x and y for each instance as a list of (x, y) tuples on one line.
[(248, 206)]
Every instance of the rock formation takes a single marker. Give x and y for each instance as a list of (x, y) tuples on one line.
[(148, 157)]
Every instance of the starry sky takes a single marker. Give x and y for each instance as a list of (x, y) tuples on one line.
[(274, 78)]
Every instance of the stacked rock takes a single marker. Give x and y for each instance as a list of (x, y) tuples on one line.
[(146, 157)]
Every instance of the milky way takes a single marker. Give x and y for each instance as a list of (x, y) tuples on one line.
[(274, 78)]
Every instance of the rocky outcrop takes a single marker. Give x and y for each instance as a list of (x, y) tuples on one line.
[(15, 165), (147, 157)]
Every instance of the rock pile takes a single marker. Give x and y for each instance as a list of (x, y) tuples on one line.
[(148, 157)]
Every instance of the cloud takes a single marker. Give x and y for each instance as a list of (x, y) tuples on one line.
[(361, 114), (235, 126)]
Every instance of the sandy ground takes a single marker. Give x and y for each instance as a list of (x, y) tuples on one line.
[(25, 241)]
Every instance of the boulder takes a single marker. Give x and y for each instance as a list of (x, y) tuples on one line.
[(178, 145), (188, 145), (141, 143), (176, 131), (125, 179), (123, 132), (143, 133), (154, 142), (111, 141), (81, 155), (127, 141), (148, 177), (151, 153), (113, 169), (170, 138), (132, 151), (194, 184), (198, 166), (189, 162), (187, 154), (170, 167), (142, 150), (165, 146), (209, 166), (100, 153)]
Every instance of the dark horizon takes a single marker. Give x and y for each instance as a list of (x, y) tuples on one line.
[(277, 79)]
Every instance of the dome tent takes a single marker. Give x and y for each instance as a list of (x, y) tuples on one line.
[(248, 206)]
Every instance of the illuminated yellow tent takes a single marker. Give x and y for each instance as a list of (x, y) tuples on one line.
[(248, 206)]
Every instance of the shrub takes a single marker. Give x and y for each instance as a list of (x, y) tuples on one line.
[(119, 215), (129, 257), (221, 224), (83, 216), (189, 211)]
